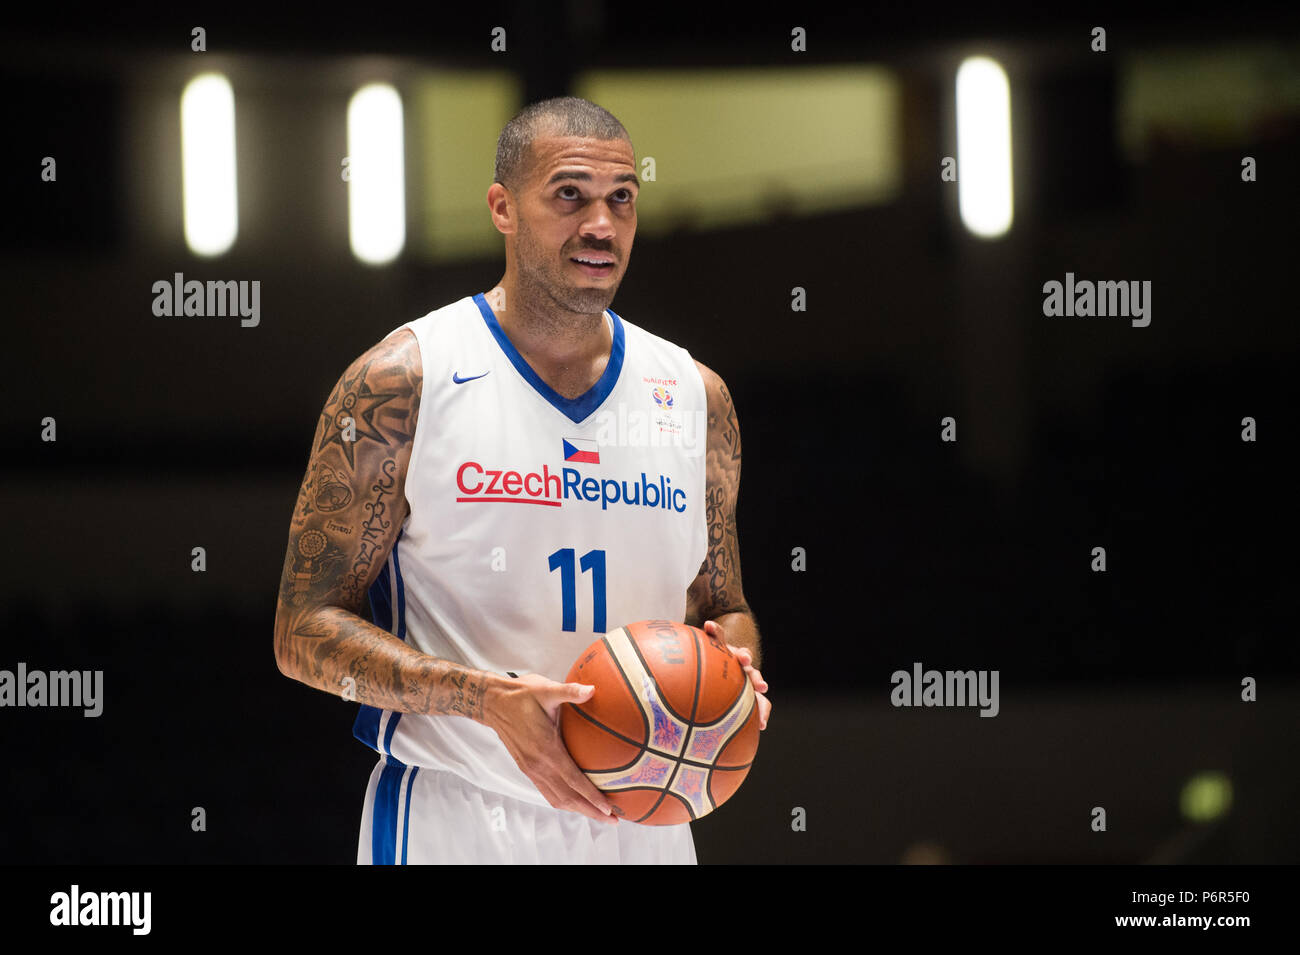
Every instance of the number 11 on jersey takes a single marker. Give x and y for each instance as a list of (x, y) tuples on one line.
[(564, 560)]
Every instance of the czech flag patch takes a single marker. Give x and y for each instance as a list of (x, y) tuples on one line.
[(581, 451)]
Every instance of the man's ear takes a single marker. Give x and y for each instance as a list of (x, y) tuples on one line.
[(502, 206)]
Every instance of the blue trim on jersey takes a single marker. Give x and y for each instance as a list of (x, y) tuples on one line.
[(366, 726), (393, 720), (406, 817), (401, 596), (381, 605), (575, 409), (383, 830)]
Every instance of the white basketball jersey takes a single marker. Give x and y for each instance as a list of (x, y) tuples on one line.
[(537, 522)]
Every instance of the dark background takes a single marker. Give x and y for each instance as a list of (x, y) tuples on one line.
[(1116, 688)]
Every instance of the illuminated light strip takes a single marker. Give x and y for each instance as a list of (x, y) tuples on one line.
[(984, 181), (209, 188), (376, 175)]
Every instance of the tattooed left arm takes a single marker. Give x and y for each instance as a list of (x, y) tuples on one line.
[(715, 600)]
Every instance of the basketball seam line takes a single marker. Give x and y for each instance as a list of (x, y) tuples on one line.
[(695, 703), (641, 749)]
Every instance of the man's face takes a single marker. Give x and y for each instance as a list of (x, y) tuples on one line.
[(579, 202)]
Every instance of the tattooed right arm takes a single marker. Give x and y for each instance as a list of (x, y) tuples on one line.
[(350, 510)]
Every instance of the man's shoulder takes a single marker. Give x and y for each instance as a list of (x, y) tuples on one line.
[(391, 367), (678, 356), (405, 344), (652, 340), (460, 310), (641, 331)]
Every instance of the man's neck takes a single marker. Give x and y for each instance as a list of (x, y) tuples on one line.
[(567, 349)]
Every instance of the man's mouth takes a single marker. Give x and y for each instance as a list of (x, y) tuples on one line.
[(594, 263)]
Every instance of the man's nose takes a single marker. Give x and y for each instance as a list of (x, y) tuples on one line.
[(600, 222)]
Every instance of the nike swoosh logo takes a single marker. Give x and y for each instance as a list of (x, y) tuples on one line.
[(460, 381)]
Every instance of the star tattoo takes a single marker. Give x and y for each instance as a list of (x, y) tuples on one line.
[(352, 400)]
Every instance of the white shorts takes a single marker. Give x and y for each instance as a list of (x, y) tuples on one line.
[(417, 816)]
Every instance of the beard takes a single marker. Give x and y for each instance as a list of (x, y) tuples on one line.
[(544, 279)]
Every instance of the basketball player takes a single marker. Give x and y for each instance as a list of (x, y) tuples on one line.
[(460, 479)]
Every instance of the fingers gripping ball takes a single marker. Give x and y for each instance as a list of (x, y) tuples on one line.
[(671, 730)]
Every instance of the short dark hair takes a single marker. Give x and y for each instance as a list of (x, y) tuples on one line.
[(561, 116)]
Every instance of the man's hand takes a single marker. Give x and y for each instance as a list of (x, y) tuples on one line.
[(525, 713), (746, 658)]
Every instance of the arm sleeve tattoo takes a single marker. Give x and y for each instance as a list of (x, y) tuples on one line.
[(350, 509)]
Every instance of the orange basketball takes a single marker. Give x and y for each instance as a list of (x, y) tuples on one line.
[(671, 730)]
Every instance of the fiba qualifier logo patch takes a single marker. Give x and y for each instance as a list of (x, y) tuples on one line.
[(665, 420)]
